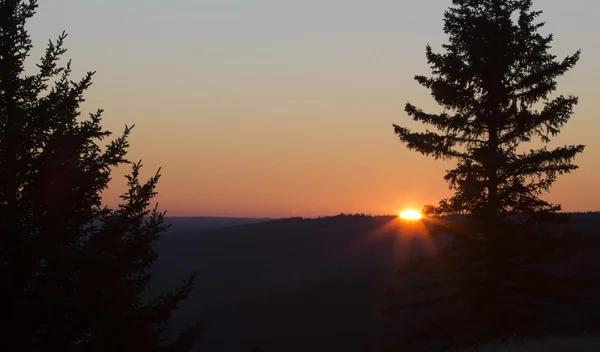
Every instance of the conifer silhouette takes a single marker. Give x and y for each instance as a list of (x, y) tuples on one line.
[(494, 82), (72, 271)]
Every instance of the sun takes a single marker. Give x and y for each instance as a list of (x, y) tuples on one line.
[(410, 214)]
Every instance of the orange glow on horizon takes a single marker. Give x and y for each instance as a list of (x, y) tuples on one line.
[(410, 214)]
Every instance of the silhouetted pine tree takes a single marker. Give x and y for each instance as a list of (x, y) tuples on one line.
[(71, 270), (494, 82)]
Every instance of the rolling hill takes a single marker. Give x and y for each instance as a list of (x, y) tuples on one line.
[(304, 284)]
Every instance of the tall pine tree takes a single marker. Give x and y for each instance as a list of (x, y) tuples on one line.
[(494, 82), (72, 271)]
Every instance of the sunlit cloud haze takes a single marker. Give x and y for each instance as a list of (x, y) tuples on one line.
[(280, 108)]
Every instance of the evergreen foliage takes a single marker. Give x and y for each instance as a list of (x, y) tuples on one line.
[(494, 82), (72, 271)]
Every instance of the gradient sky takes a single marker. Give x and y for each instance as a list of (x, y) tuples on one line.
[(279, 108)]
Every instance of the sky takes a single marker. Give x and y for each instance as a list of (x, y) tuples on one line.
[(277, 108)]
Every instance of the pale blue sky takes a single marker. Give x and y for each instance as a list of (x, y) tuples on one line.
[(272, 107)]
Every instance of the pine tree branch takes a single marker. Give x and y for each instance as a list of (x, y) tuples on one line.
[(430, 143), (546, 123), (541, 79), (542, 163)]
